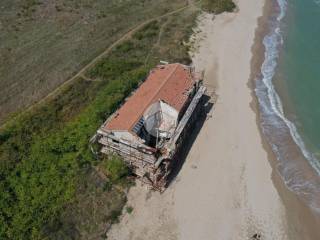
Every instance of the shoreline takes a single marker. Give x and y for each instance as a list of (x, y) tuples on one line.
[(302, 222)]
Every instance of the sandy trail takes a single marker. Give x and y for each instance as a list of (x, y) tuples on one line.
[(224, 189)]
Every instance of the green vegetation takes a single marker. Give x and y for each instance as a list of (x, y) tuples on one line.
[(218, 6), (41, 165), (148, 31), (115, 168), (115, 216), (49, 183), (90, 213), (109, 67), (129, 209)]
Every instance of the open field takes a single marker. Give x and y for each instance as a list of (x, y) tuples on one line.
[(43, 43), (44, 153)]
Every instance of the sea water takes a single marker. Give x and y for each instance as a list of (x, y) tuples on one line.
[(288, 92), (299, 67)]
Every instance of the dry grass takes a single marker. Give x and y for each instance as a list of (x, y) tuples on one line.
[(43, 43)]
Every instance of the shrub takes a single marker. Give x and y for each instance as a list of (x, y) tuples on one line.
[(107, 186), (218, 6), (129, 209), (115, 168), (115, 216), (125, 47), (40, 157), (110, 68), (148, 31)]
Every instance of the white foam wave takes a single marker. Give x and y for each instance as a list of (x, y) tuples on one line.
[(317, 2), (283, 8), (272, 42)]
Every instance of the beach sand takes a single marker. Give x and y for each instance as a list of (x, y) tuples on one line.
[(225, 189)]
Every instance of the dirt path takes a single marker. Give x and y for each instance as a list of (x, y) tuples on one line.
[(158, 41), (82, 71)]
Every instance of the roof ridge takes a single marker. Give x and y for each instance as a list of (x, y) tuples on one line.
[(167, 78), (190, 75), (168, 83), (156, 93)]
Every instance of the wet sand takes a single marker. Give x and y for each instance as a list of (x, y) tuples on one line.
[(302, 221), (225, 189)]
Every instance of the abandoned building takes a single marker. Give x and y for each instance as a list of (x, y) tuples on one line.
[(152, 124)]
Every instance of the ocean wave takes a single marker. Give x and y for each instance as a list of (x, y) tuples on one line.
[(317, 2), (274, 116), (271, 43), (283, 9)]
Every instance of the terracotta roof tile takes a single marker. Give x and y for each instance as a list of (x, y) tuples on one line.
[(169, 83)]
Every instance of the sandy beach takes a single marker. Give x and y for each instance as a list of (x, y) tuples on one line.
[(225, 189)]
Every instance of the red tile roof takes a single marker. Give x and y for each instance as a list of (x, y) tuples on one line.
[(169, 83)]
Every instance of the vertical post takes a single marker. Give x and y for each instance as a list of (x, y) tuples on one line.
[(157, 137)]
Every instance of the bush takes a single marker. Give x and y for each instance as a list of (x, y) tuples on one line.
[(218, 6), (41, 154), (107, 186), (116, 168), (148, 31), (129, 209), (125, 47), (109, 68), (115, 216)]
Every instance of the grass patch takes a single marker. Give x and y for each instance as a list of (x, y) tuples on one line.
[(115, 168), (218, 6), (111, 66), (148, 31), (42, 172), (115, 216)]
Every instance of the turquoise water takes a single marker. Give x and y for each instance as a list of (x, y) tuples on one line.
[(288, 91), (299, 68)]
